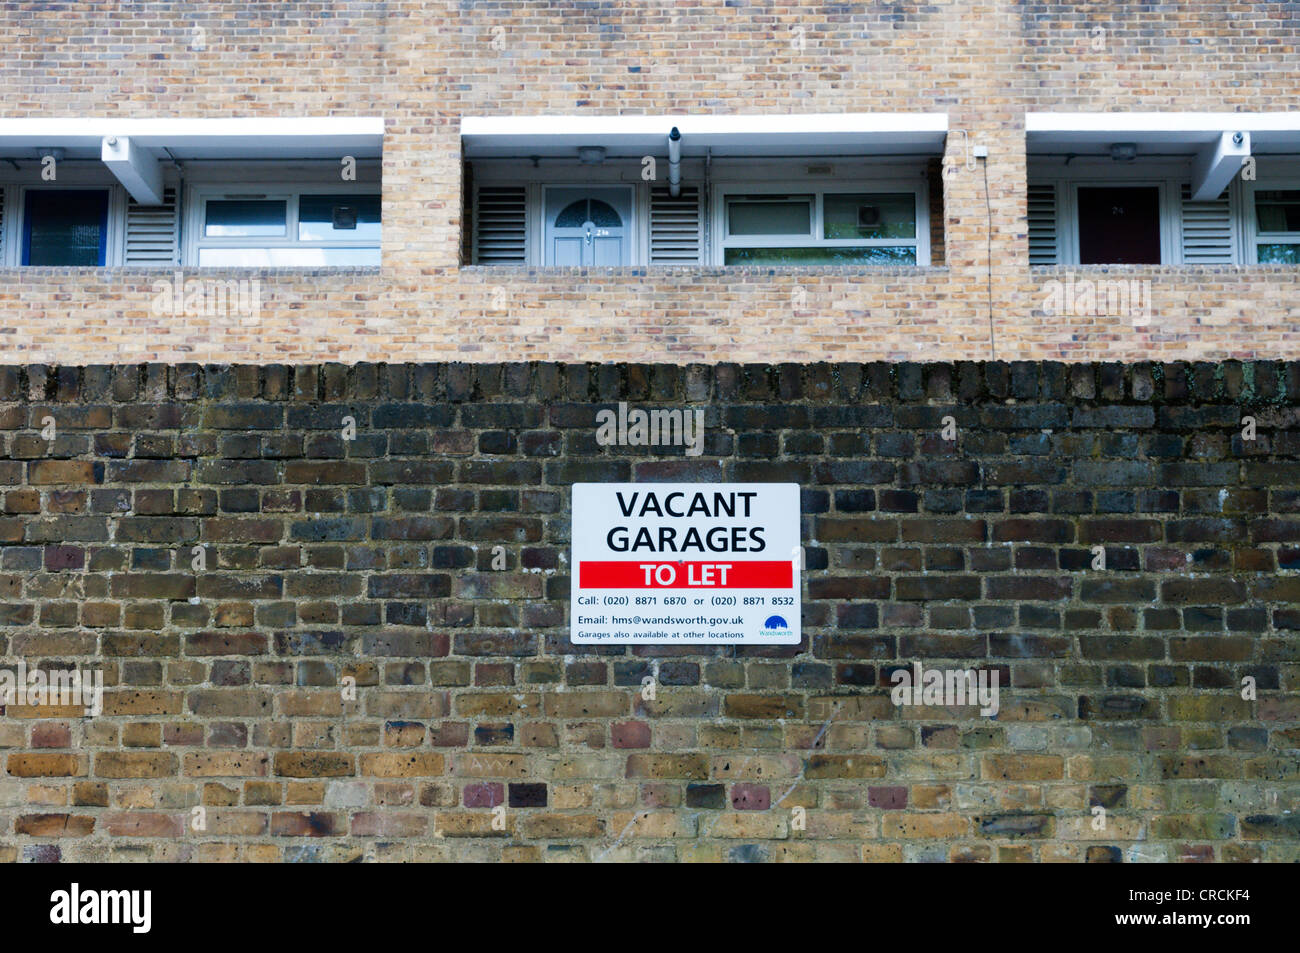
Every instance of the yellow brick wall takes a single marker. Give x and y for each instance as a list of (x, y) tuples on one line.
[(425, 65)]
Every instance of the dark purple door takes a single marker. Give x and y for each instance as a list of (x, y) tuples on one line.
[(1119, 226)]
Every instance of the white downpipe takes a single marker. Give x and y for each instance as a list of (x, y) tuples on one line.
[(675, 162)]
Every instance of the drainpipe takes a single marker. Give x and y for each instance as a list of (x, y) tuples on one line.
[(675, 163)]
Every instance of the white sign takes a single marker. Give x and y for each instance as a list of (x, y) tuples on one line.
[(676, 563)]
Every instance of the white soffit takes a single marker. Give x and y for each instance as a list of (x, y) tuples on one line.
[(260, 138), (775, 135), (1179, 133)]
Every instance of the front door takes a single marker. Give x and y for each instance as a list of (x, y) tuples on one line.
[(588, 226), (1119, 225)]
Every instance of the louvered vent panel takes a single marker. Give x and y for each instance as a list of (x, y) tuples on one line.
[(1044, 248), (675, 235), (151, 232), (1207, 230), (500, 220)]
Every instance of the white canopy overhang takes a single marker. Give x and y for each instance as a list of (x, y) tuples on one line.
[(133, 148), (839, 134), (1219, 142)]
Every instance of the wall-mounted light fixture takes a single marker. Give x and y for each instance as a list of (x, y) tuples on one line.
[(1123, 151)]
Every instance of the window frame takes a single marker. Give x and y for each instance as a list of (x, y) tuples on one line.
[(818, 189), (1251, 230), (765, 240), (194, 241)]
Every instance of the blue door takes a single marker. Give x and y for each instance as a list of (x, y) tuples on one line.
[(587, 227)]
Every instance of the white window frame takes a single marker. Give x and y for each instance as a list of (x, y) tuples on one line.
[(721, 241), (1250, 226), (15, 215), (196, 213)]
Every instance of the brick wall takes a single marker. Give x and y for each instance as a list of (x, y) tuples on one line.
[(425, 65), (372, 559)]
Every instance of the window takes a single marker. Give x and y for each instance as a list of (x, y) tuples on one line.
[(281, 228), (245, 218), (839, 227), (1277, 226), (65, 227)]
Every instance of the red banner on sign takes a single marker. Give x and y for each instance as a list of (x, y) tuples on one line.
[(719, 574)]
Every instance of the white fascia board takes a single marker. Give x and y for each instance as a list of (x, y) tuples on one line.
[(819, 133), (138, 171), (253, 137), (1178, 131)]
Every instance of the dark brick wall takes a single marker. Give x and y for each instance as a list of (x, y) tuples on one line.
[(372, 559)]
